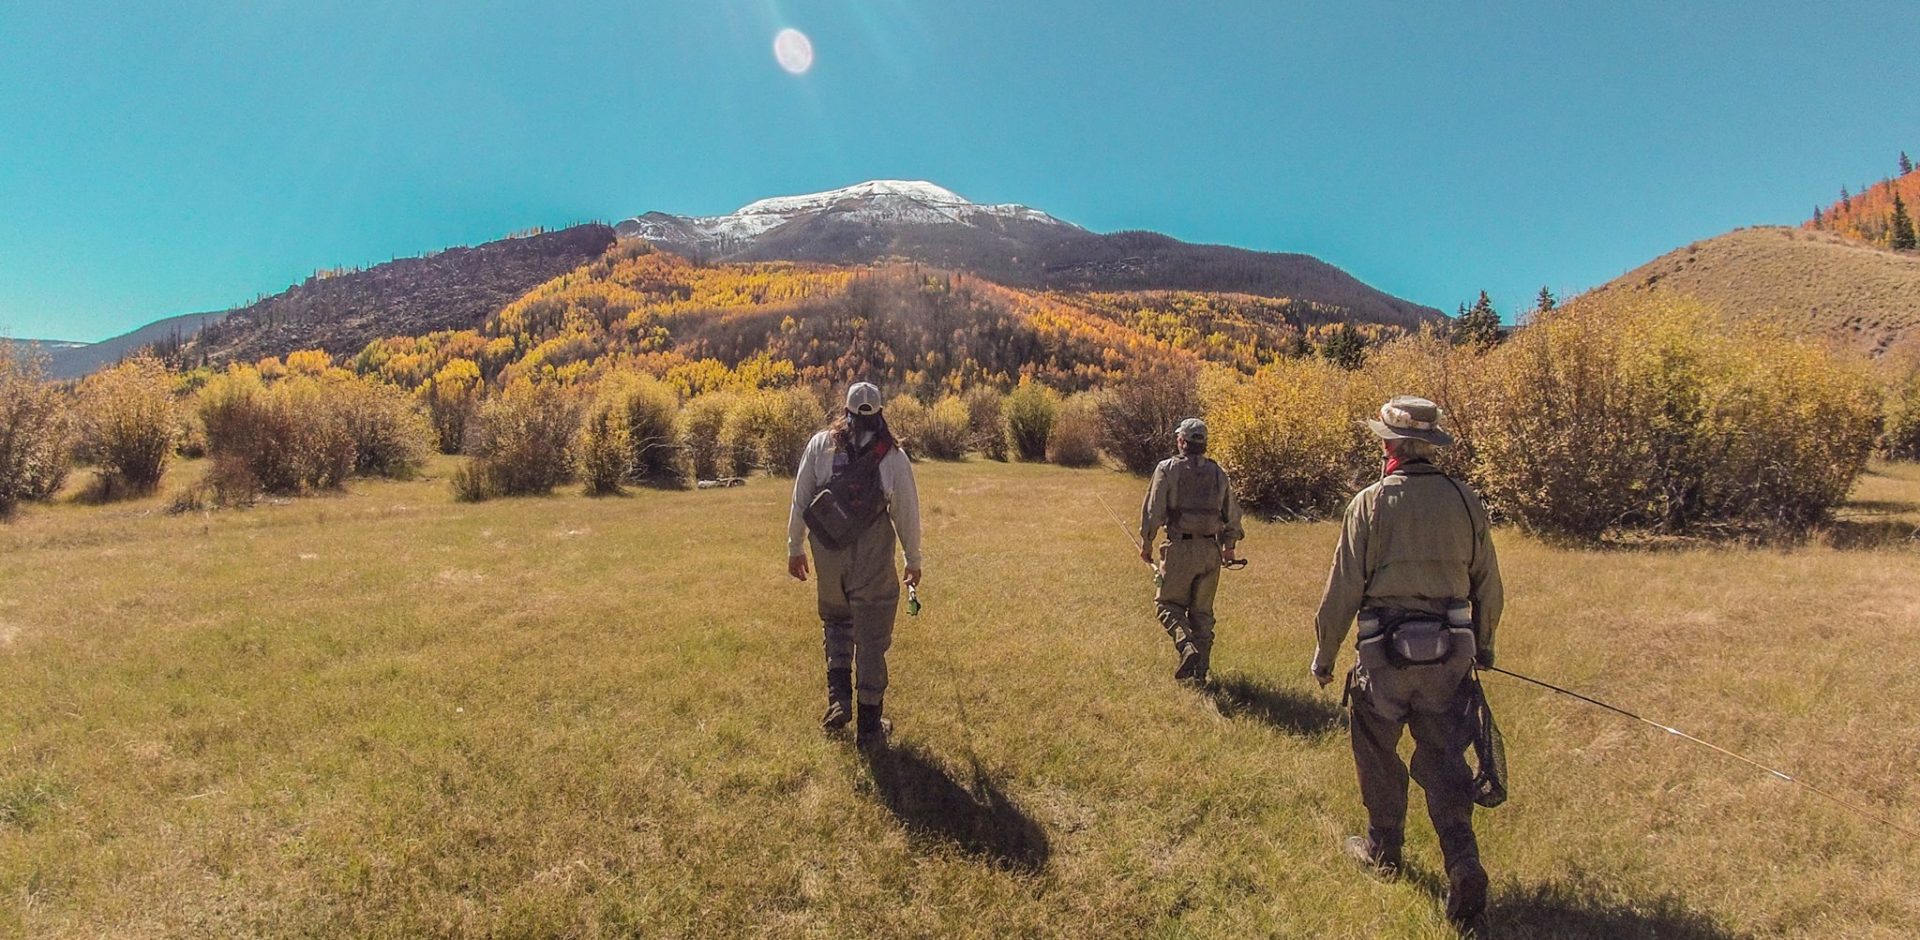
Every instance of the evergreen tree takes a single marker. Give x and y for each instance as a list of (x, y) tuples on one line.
[(1900, 230), (1478, 327), (1906, 163), (1846, 201), (1816, 216), (1346, 348), (1546, 301)]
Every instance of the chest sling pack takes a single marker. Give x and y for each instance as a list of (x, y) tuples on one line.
[(850, 501)]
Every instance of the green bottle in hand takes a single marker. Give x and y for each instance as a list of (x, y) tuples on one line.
[(913, 600)]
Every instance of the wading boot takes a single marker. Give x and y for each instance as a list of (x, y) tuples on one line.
[(1383, 862), (1192, 664), (870, 731), (1466, 891), (839, 701)]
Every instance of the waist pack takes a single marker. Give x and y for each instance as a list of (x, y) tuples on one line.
[(850, 502), (1405, 638)]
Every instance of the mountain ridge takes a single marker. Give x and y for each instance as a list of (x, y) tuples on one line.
[(1013, 244)]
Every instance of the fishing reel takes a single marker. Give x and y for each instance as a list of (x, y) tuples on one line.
[(1234, 565)]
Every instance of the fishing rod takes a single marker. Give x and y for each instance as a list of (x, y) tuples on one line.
[(1854, 808)]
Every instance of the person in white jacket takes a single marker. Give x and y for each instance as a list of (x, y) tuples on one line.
[(859, 593)]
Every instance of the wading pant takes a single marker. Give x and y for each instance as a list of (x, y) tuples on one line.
[(1432, 701), (859, 594), (1189, 576)]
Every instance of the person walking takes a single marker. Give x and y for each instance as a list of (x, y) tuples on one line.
[(853, 494), (1191, 497), (1416, 565)]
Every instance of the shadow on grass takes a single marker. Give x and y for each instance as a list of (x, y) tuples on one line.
[(1880, 507), (977, 817), (1858, 535), (1307, 716), (1571, 911)]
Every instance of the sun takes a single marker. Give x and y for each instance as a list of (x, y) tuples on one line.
[(793, 50)]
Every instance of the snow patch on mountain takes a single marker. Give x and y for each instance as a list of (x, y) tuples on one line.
[(877, 202)]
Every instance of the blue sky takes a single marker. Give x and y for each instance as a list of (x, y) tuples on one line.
[(159, 161)]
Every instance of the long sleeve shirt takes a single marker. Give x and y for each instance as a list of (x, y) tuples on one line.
[(896, 480), (1412, 541)]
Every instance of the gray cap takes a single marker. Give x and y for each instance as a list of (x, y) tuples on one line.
[(1191, 429), (864, 399), (1410, 418)]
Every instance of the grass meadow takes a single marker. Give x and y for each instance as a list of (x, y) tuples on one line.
[(389, 714)]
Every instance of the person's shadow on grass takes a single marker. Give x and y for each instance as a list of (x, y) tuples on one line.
[(1568, 911), (1301, 715), (978, 817)]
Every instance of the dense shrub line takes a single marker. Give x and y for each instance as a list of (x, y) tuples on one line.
[(1609, 416)]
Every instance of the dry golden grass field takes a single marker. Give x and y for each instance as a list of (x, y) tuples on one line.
[(388, 714)]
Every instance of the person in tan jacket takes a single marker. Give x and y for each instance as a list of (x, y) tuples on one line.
[(1416, 564), (1191, 497)]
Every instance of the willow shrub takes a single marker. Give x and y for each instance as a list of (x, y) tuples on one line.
[(1139, 413), (1074, 439), (1900, 433), (948, 430), (652, 414), (769, 429), (986, 422), (1656, 415), (701, 423), (521, 441), (1029, 412), (907, 419), (35, 433), (127, 424), (1286, 435), (603, 450), (391, 437)]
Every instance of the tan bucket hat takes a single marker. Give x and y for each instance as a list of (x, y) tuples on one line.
[(1411, 418)]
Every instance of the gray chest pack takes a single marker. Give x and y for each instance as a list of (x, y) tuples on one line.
[(852, 499)]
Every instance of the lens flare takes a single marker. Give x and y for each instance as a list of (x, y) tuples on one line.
[(793, 50)]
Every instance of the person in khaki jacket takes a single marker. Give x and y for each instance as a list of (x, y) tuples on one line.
[(1416, 564), (1191, 497)]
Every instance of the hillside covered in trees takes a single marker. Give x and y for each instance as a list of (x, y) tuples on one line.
[(1880, 214), (341, 311), (704, 327)]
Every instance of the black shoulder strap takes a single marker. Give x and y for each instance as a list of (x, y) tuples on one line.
[(1473, 555)]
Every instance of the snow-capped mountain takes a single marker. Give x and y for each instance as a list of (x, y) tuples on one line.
[(876, 203), (1013, 244)]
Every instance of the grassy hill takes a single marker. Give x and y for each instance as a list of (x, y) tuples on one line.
[(389, 714), (1864, 297)]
